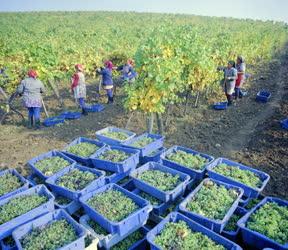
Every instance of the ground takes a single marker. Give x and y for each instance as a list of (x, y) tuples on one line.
[(249, 132)]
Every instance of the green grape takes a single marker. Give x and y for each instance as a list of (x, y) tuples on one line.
[(271, 220), (9, 183), (113, 205), (244, 176), (50, 237), (83, 149), (160, 180), (76, 179), (193, 161), (51, 165), (212, 201), (177, 235)]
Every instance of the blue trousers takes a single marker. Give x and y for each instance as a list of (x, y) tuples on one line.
[(81, 102), (34, 112), (238, 93), (109, 93)]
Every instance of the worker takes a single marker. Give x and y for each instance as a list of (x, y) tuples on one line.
[(107, 80), (128, 72), (78, 87), (241, 67), (230, 76), (31, 89)]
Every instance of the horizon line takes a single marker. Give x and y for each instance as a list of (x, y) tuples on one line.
[(148, 12)]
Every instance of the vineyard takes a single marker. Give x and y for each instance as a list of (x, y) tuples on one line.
[(173, 53), (199, 178), (176, 58)]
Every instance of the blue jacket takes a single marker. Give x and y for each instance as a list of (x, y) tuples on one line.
[(106, 76), (128, 72)]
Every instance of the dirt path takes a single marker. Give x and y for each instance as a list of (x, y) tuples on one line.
[(235, 144), (248, 132)]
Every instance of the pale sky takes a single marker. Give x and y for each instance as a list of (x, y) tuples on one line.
[(255, 9)]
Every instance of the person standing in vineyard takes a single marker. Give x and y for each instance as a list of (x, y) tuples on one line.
[(230, 76), (107, 80), (31, 89), (241, 67), (128, 72), (78, 87)]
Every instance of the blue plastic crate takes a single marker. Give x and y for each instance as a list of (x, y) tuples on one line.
[(214, 225), (242, 210), (255, 239), (47, 219), (220, 105), (79, 159), (115, 177), (233, 235), (130, 186), (25, 183), (7, 228), (250, 192), (94, 108), (150, 224), (71, 115), (260, 197), (53, 153), (155, 218), (156, 156), (195, 227), (284, 123), (161, 195), (263, 96), (70, 208), (110, 141), (157, 209), (120, 167), (197, 174), (169, 208), (192, 184), (160, 209), (135, 219), (141, 244), (157, 143), (78, 214), (52, 121), (243, 201), (124, 181), (105, 241), (3, 246), (74, 195), (35, 180)]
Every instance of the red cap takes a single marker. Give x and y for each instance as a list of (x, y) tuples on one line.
[(130, 61), (32, 73), (109, 64), (79, 67)]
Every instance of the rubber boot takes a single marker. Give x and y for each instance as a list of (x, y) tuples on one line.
[(30, 122), (111, 99), (236, 93), (230, 100), (37, 124), (84, 111), (240, 93)]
